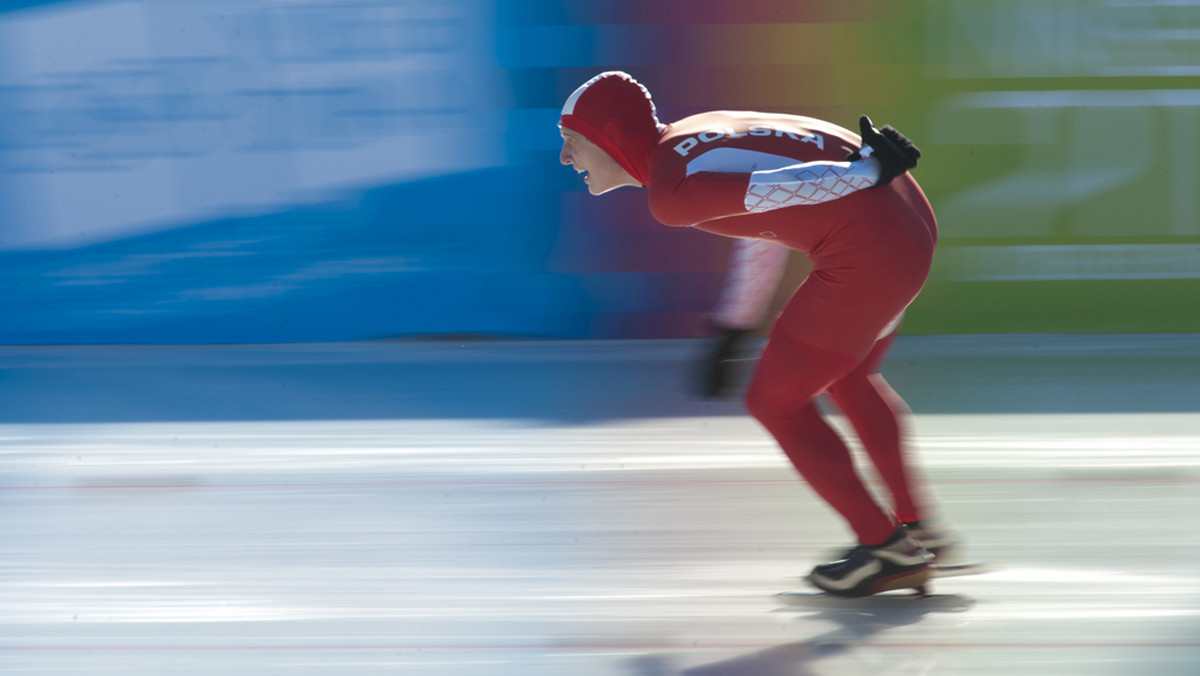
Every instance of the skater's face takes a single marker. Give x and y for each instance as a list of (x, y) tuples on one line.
[(600, 172)]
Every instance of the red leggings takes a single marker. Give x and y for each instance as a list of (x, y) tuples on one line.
[(789, 377)]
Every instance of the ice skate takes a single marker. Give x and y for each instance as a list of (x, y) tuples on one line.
[(899, 563)]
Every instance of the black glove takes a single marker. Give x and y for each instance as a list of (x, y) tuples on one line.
[(716, 369), (896, 154)]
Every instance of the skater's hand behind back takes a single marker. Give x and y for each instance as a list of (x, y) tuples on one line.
[(894, 152)]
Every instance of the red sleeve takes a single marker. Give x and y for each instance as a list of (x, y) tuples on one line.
[(697, 198)]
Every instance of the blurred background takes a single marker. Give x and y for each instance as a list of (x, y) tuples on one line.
[(221, 171), (244, 245)]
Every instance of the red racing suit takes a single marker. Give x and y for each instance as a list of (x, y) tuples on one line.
[(871, 248)]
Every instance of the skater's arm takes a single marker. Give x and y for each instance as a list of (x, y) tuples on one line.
[(755, 268), (808, 184), (703, 190), (884, 155), (707, 195)]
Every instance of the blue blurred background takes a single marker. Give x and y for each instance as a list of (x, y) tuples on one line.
[(212, 171)]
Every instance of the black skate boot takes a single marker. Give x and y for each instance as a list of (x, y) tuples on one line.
[(899, 563)]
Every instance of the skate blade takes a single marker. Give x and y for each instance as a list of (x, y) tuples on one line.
[(820, 601), (959, 569)]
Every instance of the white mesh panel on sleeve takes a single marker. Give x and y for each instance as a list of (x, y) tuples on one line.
[(807, 184)]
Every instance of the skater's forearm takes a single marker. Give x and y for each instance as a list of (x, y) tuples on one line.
[(808, 184)]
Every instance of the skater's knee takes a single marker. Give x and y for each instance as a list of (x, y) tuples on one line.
[(767, 404), (850, 388), (758, 402), (790, 376)]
